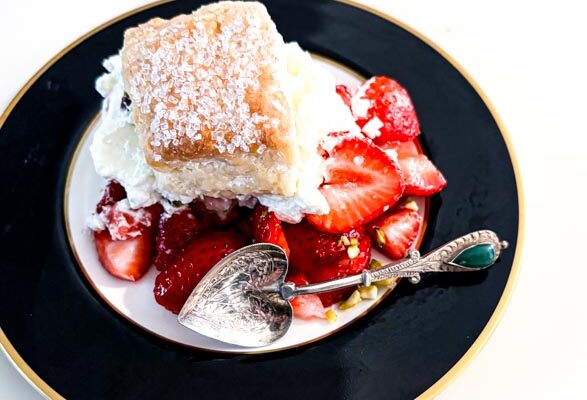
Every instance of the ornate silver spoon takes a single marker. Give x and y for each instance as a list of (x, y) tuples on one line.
[(243, 299)]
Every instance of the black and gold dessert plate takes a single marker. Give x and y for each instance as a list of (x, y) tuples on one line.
[(68, 342)]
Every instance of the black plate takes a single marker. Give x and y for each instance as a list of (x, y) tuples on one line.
[(83, 350)]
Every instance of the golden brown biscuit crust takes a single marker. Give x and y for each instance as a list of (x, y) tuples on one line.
[(206, 85)]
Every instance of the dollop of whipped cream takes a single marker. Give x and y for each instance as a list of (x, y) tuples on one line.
[(115, 149), (117, 153)]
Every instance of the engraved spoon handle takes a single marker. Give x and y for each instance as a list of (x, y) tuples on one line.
[(472, 252)]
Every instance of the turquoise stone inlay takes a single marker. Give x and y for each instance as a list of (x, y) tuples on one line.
[(479, 256)]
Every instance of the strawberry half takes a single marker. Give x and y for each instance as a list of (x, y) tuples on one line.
[(305, 307), (340, 268), (125, 259), (266, 228), (310, 247), (323, 256), (384, 111), (345, 94), (361, 182), (125, 243), (175, 232), (174, 285), (421, 176), (394, 233)]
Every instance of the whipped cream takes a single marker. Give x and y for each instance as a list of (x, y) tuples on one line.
[(318, 110), (115, 149)]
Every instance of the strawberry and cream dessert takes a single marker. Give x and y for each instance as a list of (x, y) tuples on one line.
[(215, 134)]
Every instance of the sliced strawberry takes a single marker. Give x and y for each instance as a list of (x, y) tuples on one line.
[(340, 268), (310, 246), (384, 111), (174, 285), (308, 306), (344, 93), (361, 183), (125, 248), (421, 176), (125, 259), (125, 242), (402, 149), (323, 256), (113, 193), (395, 232), (175, 232), (266, 227)]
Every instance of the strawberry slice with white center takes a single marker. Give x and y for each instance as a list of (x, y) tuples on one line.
[(421, 176), (361, 182), (394, 233)]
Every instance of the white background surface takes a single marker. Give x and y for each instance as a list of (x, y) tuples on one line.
[(529, 57)]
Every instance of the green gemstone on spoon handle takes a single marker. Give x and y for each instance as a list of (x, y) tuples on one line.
[(478, 256)]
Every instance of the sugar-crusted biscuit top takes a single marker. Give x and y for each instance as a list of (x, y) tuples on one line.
[(207, 85)]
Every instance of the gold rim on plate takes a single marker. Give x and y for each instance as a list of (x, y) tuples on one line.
[(44, 389)]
